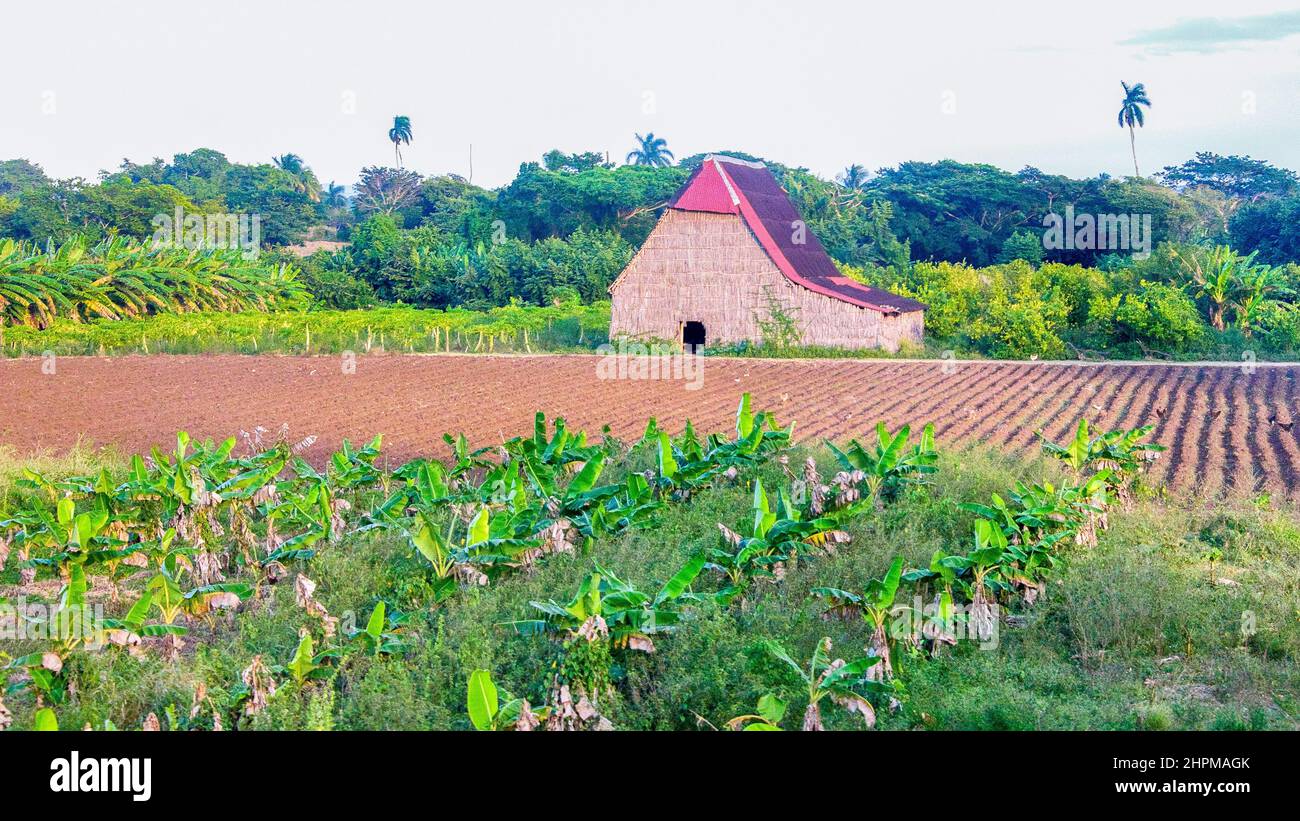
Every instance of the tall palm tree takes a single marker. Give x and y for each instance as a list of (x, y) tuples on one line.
[(400, 133), (1130, 114), (652, 151)]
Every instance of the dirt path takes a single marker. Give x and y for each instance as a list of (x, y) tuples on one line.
[(136, 401)]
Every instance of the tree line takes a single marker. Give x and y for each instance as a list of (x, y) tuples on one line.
[(565, 226)]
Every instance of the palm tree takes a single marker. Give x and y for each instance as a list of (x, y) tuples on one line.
[(304, 181), (334, 195), (400, 133), (1130, 113), (853, 178), (653, 151), (288, 162)]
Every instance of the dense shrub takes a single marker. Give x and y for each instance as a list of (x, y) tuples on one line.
[(1162, 316)]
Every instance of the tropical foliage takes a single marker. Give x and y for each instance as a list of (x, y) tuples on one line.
[(117, 279), (528, 560)]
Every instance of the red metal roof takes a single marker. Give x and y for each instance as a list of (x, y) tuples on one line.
[(725, 185)]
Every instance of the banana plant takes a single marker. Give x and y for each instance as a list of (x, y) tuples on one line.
[(179, 489), (685, 466), (1037, 511), (1125, 456), (757, 435), (70, 626), (606, 607), (1077, 454), (743, 559), (1120, 452), (1079, 510), (945, 572), (875, 604), (312, 506), (437, 549), (890, 467), (487, 713), (776, 537), (771, 709), (836, 680), (490, 546), (556, 450), (632, 505), (307, 665), (67, 535), (570, 502), (354, 469), (988, 560), (135, 625), (382, 634), (465, 461), (678, 477), (174, 602)]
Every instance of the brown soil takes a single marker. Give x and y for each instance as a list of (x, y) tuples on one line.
[(135, 402)]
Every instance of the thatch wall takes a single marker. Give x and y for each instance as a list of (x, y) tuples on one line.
[(709, 268)]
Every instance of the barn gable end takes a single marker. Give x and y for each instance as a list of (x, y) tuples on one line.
[(705, 267)]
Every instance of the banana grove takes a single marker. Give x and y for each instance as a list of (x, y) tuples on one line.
[(119, 279)]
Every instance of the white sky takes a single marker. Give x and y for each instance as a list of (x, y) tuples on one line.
[(820, 84)]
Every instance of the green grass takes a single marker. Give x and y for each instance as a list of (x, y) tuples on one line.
[(1136, 633)]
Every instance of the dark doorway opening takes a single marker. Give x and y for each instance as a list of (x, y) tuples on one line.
[(693, 336)]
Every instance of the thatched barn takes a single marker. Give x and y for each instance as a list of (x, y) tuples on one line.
[(730, 257)]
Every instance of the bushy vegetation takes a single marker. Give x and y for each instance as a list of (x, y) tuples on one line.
[(680, 582), (1184, 302), (426, 267)]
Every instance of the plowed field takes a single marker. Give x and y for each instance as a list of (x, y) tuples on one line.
[(1225, 427)]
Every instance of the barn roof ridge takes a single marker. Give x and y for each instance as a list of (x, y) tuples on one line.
[(727, 158), (749, 190)]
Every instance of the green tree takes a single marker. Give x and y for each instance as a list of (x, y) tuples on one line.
[(17, 176), (1226, 279), (1024, 245), (1258, 284), (385, 190), (286, 211), (289, 162), (556, 160), (1269, 227), (1160, 315), (1131, 116), (1234, 176)]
